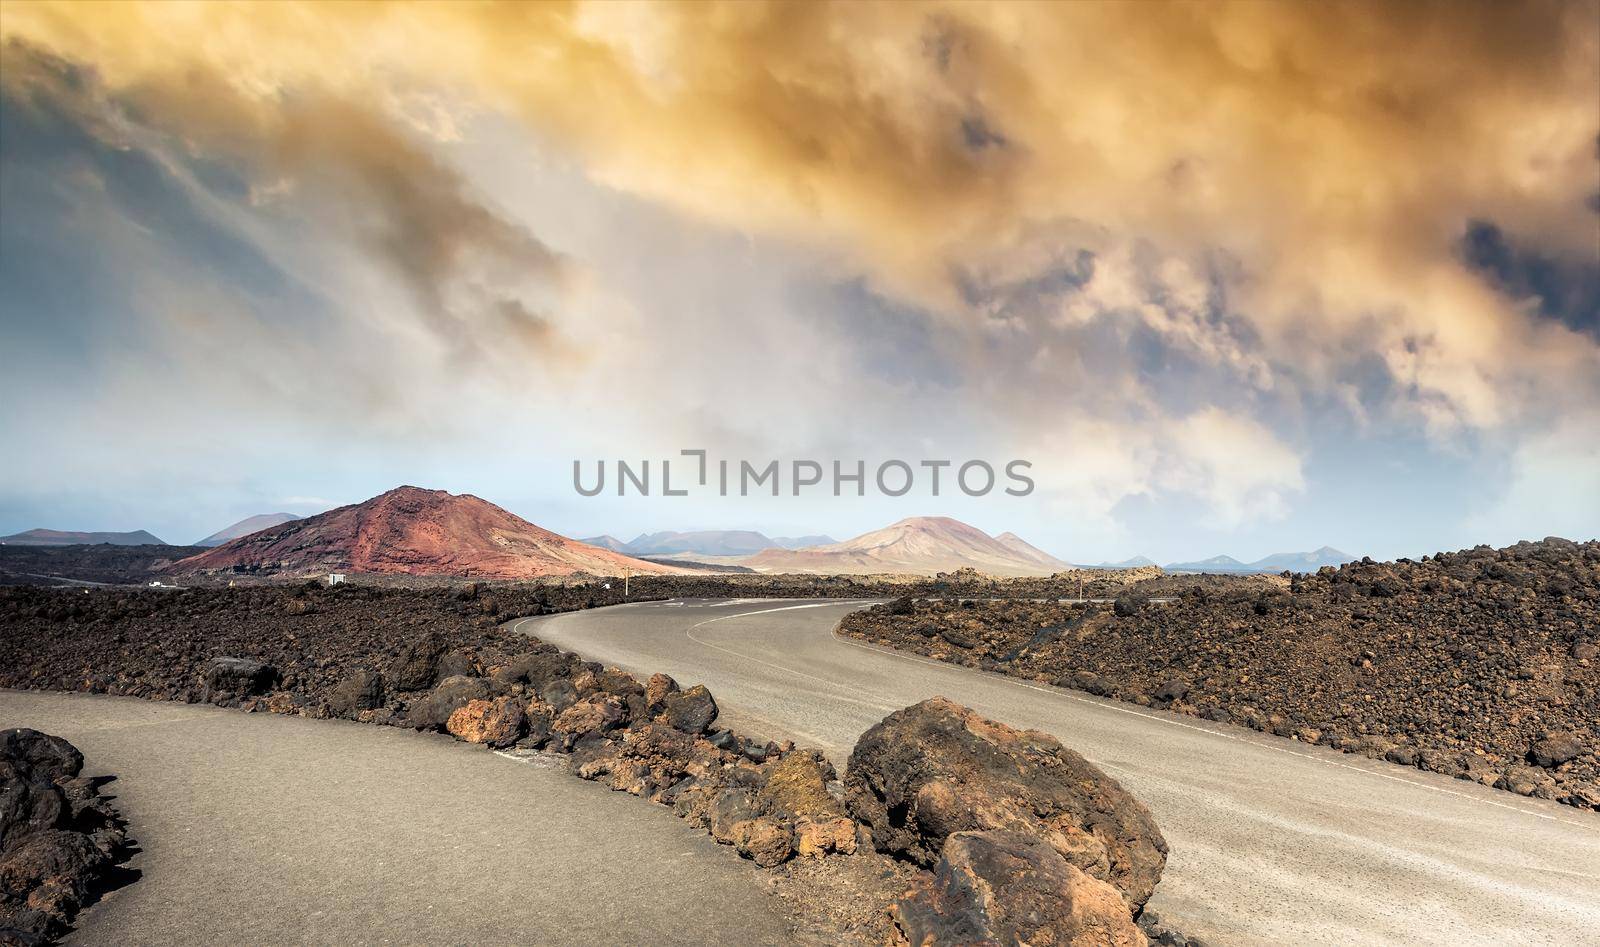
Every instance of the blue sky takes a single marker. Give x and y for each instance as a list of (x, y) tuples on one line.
[(1237, 279)]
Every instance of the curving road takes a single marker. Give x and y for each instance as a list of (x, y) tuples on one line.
[(1272, 841), (262, 829)]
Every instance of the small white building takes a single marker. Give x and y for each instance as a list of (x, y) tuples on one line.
[(336, 578)]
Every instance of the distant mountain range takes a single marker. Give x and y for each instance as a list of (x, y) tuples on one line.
[(921, 545), (1277, 562), (56, 537), (412, 531), (707, 542), (246, 526), (1136, 562)]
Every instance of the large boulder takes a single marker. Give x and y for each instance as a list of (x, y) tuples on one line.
[(496, 723), (594, 715), (416, 667), (240, 676), (1011, 888), (692, 711), (57, 835), (458, 663), (1555, 749), (539, 668), (362, 690), (453, 693), (937, 768)]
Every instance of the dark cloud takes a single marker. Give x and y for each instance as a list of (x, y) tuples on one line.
[(1565, 290)]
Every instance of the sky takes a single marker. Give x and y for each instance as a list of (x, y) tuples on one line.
[(1233, 278)]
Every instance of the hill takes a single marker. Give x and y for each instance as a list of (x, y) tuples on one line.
[(246, 526), (709, 542), (801, 542), (412, 531), (1277, 562), (1134, 563), (56, 537), (920, 545)]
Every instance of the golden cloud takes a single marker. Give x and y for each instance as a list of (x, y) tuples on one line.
[(1332, 153)]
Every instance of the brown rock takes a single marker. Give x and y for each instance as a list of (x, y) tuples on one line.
[(433, 712), (767, 842), (597, 713), (937, 768), (1555, 749), (497, 723), (1009, 888), (656, 691), (815, 839), (362, 690)]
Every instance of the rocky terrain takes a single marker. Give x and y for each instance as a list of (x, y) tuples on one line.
[(921, 843), (154, 643), (1480, 664), (60, 840), (101, 564), (411, 531)]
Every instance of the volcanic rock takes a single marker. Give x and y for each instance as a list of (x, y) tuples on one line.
[(1555, 749), (767, 842), (416, 668), (1482, 653), (58, 836), (595, 714), (240, 676), (362, 690), (453, 693), (692, 711), (657, 691), (1002, 887), (937, 768), (497, 723)]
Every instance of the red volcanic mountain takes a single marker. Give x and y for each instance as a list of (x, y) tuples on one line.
[(921, 545), (411, 531)]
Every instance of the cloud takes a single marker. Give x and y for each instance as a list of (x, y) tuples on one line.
[(1553, 487), (1199, 230), (1236, 466)]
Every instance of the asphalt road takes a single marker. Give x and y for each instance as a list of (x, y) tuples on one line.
[(1273, 841), (262, 829)]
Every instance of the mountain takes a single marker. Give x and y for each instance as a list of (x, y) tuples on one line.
[(709, 542), (1302, 561), (411, 531), (921, 545), (1214, 564), (245, 527), (706, 542), (1277, 562), (1136, 562), (801, 542), (56, 537), (1022, 548)]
